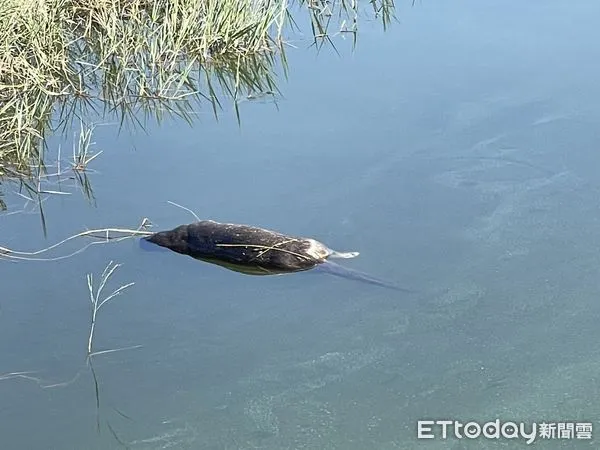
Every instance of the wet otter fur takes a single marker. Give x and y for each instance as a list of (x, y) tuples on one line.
[(244, 245), (256, 251)]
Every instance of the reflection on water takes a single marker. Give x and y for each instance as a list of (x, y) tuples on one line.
[(142, 72), (140, 59), (458, 156)]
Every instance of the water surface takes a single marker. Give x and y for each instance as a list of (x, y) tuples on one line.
[(458, 152)]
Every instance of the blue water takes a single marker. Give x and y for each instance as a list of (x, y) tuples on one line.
[(457, 152)]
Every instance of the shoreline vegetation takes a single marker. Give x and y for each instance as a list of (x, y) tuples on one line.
[(62, 60)]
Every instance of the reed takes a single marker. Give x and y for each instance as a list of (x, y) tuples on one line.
[(141, 59), (76, 54), (97, 301)]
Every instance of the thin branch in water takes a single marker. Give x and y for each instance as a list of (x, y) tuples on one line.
[(104, 234), (268, 248), (187, 209), (97, 301), (82, 156), (114, 350), (27, 375)]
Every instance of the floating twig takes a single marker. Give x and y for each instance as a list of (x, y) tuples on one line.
[(98, 302), (103, 233)]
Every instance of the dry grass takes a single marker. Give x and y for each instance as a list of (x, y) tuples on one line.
[(97, 301), (139, 58), (117, 54)]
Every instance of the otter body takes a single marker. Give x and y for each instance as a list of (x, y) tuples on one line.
[(256, 251), (244, 245)]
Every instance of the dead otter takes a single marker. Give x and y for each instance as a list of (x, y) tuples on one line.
[(256, 251)]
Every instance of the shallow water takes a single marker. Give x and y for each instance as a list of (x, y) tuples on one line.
[(457, 152)]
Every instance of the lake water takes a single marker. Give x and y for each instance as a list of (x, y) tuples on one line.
[(458, 152)]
